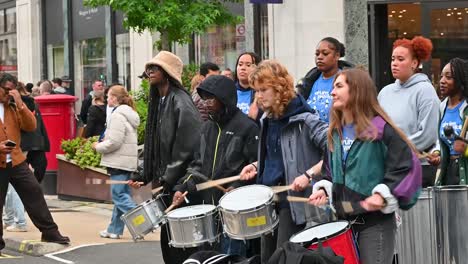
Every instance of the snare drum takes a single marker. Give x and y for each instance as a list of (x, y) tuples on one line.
[(248, 212), (336, 235), (144, 218), (192, 226)]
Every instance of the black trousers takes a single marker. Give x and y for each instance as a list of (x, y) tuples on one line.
[(38, 160), (30, 193)]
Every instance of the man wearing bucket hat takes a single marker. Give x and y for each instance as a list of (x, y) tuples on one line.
[(170, 135)]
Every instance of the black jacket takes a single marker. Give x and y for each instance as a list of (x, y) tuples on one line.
[(228, 142), (96, 121), (37, 139), (304, 86), (171, 135), (87, 102)]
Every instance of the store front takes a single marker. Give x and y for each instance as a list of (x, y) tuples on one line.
[(444, 22), (8, 53), (94, 47)]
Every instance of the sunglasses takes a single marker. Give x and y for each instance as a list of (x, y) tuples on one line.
[(151, 69)]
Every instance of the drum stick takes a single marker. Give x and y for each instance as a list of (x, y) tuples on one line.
[(280, 189), (173, 204), (465, 126), (120, 182), (211, 184), (156, 190), (296, 199)]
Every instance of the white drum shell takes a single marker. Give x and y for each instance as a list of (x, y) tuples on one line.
[(252, 222), (194, 230), (144, 218)]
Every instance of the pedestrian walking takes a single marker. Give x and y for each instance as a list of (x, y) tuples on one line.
[(14, 117), (371, 167), (119, 149), (411, 101)]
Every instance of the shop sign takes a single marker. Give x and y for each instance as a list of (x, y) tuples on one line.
[(266, 1), (8, 68)]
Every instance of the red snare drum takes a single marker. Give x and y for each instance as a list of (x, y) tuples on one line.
[(336, 235)]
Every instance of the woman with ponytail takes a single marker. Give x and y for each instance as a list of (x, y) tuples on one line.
[(412, 101), (119, 154)]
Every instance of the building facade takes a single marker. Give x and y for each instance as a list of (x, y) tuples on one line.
[(43, 39)]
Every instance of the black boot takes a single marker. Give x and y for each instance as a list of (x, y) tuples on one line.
[(54, 237)]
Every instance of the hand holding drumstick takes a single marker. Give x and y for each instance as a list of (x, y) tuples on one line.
[(178, 198)]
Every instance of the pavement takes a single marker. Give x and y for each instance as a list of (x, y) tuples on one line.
[(81, 221)]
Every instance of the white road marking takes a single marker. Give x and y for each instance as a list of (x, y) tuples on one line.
[(52, 255)]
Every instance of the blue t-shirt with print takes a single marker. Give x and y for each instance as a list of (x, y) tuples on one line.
[(320, 98), (349, 135), (451, 118), (243, 100)]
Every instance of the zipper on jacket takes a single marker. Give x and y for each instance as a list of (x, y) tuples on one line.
[(216, 151)]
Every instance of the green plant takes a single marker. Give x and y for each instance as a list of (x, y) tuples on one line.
[(86, 155), (176, 20), (141, 104), (80, 150), (70, 147), (189, 71)]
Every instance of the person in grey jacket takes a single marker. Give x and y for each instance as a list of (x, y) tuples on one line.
[(412, 102), (292, 140), (119, 155)]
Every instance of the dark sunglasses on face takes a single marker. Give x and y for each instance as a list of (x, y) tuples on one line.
[(151, 69)]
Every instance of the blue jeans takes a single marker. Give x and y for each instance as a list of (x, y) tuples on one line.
[(231, 246), (121, 196), (14, 209)]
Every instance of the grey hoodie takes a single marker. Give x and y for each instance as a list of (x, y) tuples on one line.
[(119, 147), (414, 107)]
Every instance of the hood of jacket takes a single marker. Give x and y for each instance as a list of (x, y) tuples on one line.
[(223, 89), (129, 114), (413, 80), (298, 105)]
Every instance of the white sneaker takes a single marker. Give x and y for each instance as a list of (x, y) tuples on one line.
[(14, 228), (105, 234)]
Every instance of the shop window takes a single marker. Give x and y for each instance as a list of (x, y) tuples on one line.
[(404, 21), (8, 52), (123, 59), (90, 63), (55, 61), (222, 45)]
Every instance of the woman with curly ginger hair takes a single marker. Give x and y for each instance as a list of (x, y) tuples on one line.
[(412, 101), (292, 140)]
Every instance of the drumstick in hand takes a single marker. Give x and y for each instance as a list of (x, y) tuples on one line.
[(297, 199), (211, 184), (174, 204)]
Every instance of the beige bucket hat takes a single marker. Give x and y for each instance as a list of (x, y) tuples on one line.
[(171, 64)]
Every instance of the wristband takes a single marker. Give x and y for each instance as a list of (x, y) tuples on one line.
[(254, 166), (310, 176)]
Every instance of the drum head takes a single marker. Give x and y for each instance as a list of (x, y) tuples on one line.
[(191, 211), (246, 197), (320, 232)]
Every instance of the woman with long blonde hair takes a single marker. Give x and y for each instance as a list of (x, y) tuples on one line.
[(372, 166)]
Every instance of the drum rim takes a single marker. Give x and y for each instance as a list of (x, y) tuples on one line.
[(313, 241), (192, 245), (213, 211), (269, 201)]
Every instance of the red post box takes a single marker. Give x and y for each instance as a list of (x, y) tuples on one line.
[(58, 113)]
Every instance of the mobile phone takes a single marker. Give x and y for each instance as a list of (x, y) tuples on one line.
[(10, 143)]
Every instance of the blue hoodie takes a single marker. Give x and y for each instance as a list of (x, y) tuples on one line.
[(414, 107)]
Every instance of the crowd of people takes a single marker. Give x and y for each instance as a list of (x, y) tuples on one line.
[(332, 137)]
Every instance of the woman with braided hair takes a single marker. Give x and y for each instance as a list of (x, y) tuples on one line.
[(453, 154), (411, 101)]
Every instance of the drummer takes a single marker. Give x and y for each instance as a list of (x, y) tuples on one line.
[(292, 140), (229, 141), (378, 162)]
